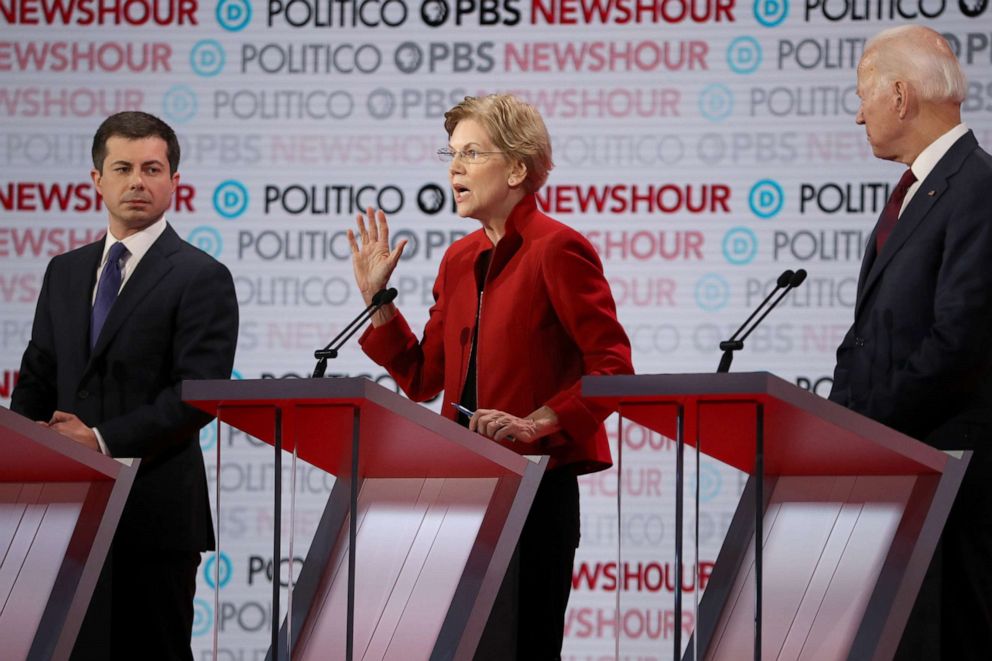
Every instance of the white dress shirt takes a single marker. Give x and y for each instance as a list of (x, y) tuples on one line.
[(929, 157), (137, 245)]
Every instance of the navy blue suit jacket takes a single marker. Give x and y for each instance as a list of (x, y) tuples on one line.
[(918, 356), (176, 318)]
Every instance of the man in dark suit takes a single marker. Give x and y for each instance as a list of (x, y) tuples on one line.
[(918, 356), (120, 323)]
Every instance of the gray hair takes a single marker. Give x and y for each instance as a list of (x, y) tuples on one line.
[(515, 127), (921, 57)]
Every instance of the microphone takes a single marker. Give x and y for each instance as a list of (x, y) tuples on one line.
[(381, 298), (386, 296), (786, 282)]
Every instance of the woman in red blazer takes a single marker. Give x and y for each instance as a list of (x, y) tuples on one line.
[(522, 311)]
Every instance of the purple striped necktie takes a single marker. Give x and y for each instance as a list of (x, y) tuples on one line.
[(106, 291)]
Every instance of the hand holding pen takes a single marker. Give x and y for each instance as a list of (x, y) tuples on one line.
[(488, 422)]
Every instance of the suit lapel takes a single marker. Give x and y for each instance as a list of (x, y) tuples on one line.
[(152, 268), (916, 211), (79, 302), (910, 219), (866, 263)]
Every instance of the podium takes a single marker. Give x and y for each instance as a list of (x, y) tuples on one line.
[(59, 507), (438, 511), (836, 526)]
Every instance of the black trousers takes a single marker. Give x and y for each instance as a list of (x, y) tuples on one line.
[(952, 617), (142, 607), (528, 617)]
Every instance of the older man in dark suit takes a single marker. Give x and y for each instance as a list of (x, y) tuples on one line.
[(918, 356), (120, 323)]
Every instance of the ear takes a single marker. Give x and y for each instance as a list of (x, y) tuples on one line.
[(175, 181), (901, 98), (96, 176), (517, 174)]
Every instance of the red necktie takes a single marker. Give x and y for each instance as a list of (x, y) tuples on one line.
[(890, 214)]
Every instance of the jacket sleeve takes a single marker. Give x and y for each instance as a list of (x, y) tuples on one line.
[(840, 389), (35, 396), (203, 346), (582, 299), (416, 366)]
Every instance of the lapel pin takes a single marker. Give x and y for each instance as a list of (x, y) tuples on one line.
[(932, 193)]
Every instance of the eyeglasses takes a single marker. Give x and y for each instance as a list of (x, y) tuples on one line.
[(470, 156)]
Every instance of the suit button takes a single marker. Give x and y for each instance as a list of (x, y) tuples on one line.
[(83, 394), (859, 341)]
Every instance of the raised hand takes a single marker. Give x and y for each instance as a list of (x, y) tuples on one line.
[(372, 260)]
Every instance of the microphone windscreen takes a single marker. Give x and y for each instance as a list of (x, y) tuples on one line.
[(798, 278), (785, 278), (380, 297), (389, 295)]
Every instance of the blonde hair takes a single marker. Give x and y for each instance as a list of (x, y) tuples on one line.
[(515, 127), (920, 56)]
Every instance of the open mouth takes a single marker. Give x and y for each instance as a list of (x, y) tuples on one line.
[(460, 191)]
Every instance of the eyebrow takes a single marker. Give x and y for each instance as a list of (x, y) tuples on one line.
[(153, 161)]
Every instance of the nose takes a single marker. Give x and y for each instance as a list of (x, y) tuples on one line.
[(456, 165), (137, 181), (859, 119)]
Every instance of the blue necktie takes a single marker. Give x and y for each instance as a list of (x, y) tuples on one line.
[(106, 291)]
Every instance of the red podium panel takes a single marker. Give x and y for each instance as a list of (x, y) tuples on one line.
[(400, 438), (851, 512), (438, 511), (59, 508)]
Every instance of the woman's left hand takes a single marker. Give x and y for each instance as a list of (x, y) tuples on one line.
[(502, 426)]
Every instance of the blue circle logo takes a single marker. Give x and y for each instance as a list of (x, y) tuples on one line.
[(744, 55), (235, 374), (207, 239), (771, 12), (712, 292), (233, 15), (740, 246), (766, 198), (716, 102), (207, 58), (230, 198), (179, 104), (203, 617), (208, 437), (225, 569), (710, 483)]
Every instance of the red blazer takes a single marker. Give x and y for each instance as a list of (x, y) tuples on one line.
[(547, 318)]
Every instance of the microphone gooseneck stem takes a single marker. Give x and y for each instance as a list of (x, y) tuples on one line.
[(786, 282), (783, 281), (764, 314), (382, 297)]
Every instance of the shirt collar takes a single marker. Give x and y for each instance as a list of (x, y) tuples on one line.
[(138, 243), (929, 157), (516, 223)]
